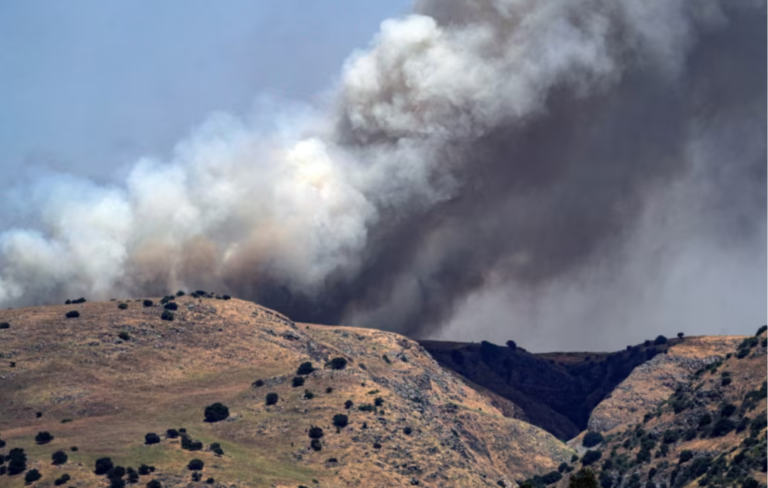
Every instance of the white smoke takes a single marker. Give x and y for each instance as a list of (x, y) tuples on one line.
[(240, 209)]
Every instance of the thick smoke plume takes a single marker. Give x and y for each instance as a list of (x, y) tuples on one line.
[(478, 146)]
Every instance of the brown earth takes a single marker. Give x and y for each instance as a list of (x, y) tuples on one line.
[(102, 394)]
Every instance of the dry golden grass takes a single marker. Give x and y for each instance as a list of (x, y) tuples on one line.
[(116, 391)]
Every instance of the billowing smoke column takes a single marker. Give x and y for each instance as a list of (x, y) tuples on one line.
[(476, 144)]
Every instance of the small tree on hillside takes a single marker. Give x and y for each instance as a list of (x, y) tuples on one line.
[(512, 345), (340, 421), (43, 437), (305, 368), (216, 412), (272, 398), (680, 335), (59, 457), (584, 478)]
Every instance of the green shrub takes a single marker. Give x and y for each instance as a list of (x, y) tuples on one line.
[(643, 456), (761, 330), (59, 457), (722, 427), (727, 410), (211, 481), (384, 357), (308, 395), (154, 484), (258, 383), (117, 472), (366, 407), (562, 467), (151, 438), (133, 476), (195, 465), (62, 479), (726, 380), (148, 303), (171, 306), (297, 381), (305, 369), (43, 437), (329, 390), (574, 458), (685, 456), (338, 363), (551, 477), (122, 306), (378, 401), (103, 466), (32, 476), (145, 470), (671, 436), (216, 448), (757, 424), (705, 420), (660, 340), (316, 445), (216, 412), (17, 461), (190, 445), (315, 432), (591, 439), (180, 293), (584, 478), (172, 433), (5, 325), (167, 315), (348, 404), (591, 457), (272, 398), (340, 421), (73, 314)]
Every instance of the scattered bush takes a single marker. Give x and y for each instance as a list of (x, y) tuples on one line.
[(124, 336), (722, 427), (643, 456), (329, 390), (62, 479), (171, 306), (258, 383), (705, 420), (32, 476), (591, 457), (151, 438), (73, 448), (338, 363), (148, 303), (562, 467), (761, 330), (272, 398), (340, 421), (670, 436), (133, 476), (316, 445), (727, 410), (315, 432), (122, 306), (297, 381), (145, 470), (680, 335), (117, 472), (308, 395), (211, 481), (376, 445), (59, 457), (584, 478), (216, 448), (660, 340), (378, 401), (574, 458), (348, 404), (216, 412), (172, 433), (167, 315), (305, 369), (17, 461), (103, 466), (592, 439), (195, 465), (5, 325), (72, 314), (190, 445), (512, 345), (386, 359), (551, 477), (685, 456), (726, 380), (154, 484), (43, 437), (366, 407), (407, 430), (38, 414)]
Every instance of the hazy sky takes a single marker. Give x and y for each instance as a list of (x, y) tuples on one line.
[(91, 85)]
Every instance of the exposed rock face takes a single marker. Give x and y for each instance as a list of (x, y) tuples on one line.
[(556, 392)]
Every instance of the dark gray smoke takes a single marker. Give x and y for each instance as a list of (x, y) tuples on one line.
[(560, 151)]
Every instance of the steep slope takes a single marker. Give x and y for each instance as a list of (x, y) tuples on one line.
[(555, 391), (709, 430), (105, 379)]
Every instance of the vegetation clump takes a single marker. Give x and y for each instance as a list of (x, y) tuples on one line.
[(592, 439), (272, 398), (17, 461), (122, 306), (172, 433), (297, 381), (5, 325), (103, 466), (32, 476), (591, 457), (305, 369), (151, 438), (315, 432), (167, 315), (338, 363), (43, 437), (195, 465), (148, 303), (73, 314), (124, 336), (340, 421), (62, 479), (59, 457)]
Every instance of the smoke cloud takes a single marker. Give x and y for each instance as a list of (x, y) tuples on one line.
[(486, 167)]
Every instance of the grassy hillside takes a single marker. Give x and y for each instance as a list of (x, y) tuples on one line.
[(103, 380)]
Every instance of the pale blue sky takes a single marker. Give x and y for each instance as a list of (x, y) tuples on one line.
[(89, 85)]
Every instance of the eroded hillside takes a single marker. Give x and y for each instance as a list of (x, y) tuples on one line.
[(100, 382)]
